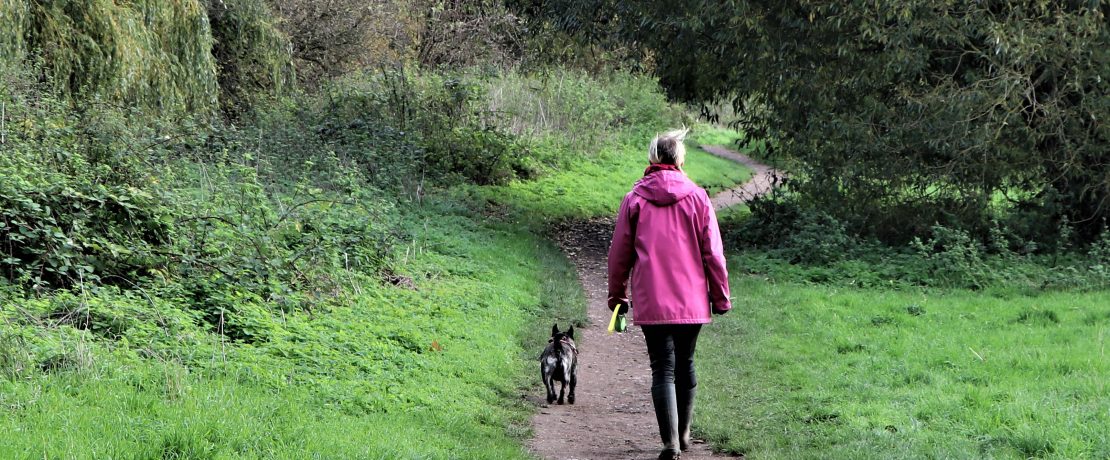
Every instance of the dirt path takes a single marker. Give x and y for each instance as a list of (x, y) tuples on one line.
[(613, 417), (763, 178)]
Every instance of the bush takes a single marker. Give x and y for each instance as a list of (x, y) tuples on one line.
[(76, 201), (242, 244), (800, 234), (401, 131), (578, 111), (1098, 255), (98, 194), (817, 239), (953, 257)]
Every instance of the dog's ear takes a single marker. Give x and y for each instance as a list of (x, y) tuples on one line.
[(570, 332), (554, 329)]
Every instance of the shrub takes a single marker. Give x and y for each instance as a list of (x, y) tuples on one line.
[(817, 238), (953, 257), (1099, 251), (1098, 256), (800, 234), (76, 202), (242, 244), (402, 131), (575, 109)]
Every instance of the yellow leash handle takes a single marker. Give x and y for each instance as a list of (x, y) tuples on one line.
[(613, 321)]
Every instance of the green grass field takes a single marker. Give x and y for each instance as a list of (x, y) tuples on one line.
[(390, 372), (705, 134), (432, 367), (811, 371), (808, 365), (594, 186)]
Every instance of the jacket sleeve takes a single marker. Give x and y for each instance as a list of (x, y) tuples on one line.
[(622, 252), (713, 256)]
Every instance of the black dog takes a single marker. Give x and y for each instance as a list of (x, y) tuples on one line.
[(559, 363)]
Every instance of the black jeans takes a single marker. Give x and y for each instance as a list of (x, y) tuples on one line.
[(671, 349)]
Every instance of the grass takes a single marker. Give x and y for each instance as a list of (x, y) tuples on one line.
[(391, 372), (706, 134), (841, 372), (594, 186)]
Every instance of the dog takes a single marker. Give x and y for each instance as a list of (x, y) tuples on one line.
[(559, 363)]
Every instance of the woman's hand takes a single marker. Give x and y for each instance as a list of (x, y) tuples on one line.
[(624, 305)]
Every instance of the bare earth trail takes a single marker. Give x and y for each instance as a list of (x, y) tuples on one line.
[(612, 417)]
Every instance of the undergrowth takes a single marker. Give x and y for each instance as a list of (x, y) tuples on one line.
[(141, 372), (787, 241), (302, 284)]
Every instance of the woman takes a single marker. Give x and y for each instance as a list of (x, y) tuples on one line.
[(667, 237)]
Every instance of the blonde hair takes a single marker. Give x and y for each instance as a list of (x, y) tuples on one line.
[(667, 148)]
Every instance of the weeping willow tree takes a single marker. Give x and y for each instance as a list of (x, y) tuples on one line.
[(254, 58), (13, 19), (165, 55), (148, 53)]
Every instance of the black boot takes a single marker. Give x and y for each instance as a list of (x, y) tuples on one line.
[(666, 413), (685, 398)]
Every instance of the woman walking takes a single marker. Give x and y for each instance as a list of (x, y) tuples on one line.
[(667, 238)]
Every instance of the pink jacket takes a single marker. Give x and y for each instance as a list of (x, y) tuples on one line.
[(667, 236)]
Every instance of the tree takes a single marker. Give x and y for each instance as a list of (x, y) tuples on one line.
[(896, 114)]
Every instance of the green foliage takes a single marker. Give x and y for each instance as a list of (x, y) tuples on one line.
[(12, 43), (904, 373), (800, 234), (577, 111), (179, 57), (76, 202), (252, 55), (238, 244), (593, 183), (958, 262), (952, 256), (819, 248), (897, 114), (72, 230), (819, 239), (151, 54), (399, 130)]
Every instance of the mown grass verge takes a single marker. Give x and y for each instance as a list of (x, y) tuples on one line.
[(835, 371)]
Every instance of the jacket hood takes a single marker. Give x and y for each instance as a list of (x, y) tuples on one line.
[(664, 188)]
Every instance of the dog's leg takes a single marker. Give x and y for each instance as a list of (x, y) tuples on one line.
[(548, 384), (573, 383), (550, 390), (562, 390)]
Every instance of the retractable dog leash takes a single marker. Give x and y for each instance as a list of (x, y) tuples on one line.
[(617, 323)]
